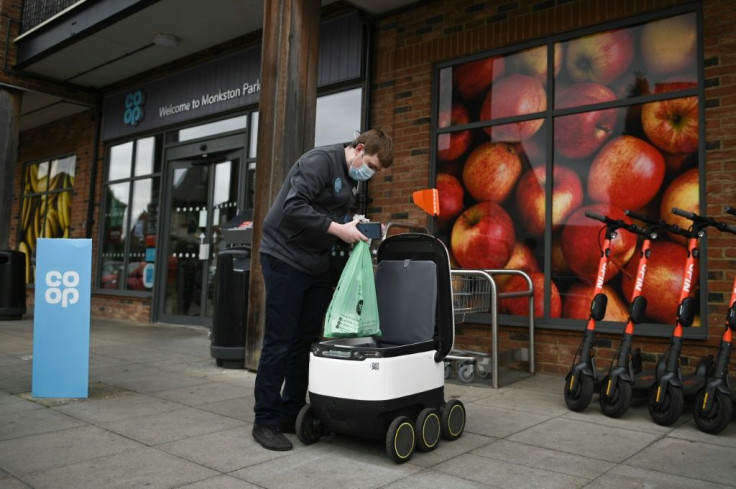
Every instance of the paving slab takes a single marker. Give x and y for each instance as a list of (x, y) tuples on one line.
[(526, 401), (207, 393), (126, 405), (586, 439), (144, 467), (33, 419), (689, 431), (172, 425), (224, 451), (499, 473), (50, 450), (635, 477), (498, 423), (239, 408), (636, 418), (431, 479), (144, 379), (322, 465), (220, 482), (545, 459), (696, 460)]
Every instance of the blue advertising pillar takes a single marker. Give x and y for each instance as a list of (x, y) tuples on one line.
[(61, 318)]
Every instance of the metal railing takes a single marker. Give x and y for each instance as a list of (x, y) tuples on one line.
[(476, 292), (36, 12)]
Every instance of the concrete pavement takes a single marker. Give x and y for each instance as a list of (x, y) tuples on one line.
[(162, 415)]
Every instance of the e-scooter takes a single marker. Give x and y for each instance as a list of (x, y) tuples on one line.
[(713, 405), (616, 387), (580, 382), (667, 395)]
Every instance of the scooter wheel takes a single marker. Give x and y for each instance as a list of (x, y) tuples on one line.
[(400, 439), (717, 417), (670, 408), (453, 419), (428, 428), (578, 398), (308, 427), (615, 398)]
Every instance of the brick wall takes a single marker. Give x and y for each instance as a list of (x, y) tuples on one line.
[(410, 42)]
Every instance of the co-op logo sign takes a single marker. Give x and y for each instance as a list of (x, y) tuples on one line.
[(134, 111), (62, 288)]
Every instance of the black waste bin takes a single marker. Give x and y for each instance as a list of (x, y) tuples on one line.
[(231, 308), (12, 284)]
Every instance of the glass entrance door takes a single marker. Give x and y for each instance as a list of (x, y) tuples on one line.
[(202, 196)]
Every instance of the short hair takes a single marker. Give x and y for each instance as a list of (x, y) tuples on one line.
[(377, 143)]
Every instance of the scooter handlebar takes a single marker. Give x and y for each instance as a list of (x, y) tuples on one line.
[(703, 221), (658, 223), (619, 223)]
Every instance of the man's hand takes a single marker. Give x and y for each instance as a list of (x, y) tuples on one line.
[(347, 232)]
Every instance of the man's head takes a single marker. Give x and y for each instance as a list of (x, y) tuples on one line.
[(378, 144)]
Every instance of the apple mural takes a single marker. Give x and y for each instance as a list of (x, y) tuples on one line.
[(519, 306), (491, 171), (472, 79), (683, 193), (533, 61), (663, 281), (451, 195), (513, 96), (451, 146), (580, 135), (483, 237), (567, 195), (577, 299), (672, 125), (582, 242), (669, 45), (602, 57), (627, 172), (522, 258)]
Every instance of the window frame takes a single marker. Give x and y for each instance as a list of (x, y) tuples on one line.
[(549, 116)]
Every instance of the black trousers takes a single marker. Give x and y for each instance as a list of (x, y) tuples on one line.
[(296, 304)]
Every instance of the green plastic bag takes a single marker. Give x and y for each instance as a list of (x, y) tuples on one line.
[(353, 311)]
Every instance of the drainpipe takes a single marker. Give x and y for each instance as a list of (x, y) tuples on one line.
[(93, 175)]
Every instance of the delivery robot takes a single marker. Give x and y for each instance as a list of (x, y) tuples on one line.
[(391, 386)]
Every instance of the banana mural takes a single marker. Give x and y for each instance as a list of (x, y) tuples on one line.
[(44, 216)]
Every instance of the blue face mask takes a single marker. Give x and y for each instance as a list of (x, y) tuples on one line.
[(360, 174)]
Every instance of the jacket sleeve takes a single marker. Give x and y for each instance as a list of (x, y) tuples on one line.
[(308, 180)]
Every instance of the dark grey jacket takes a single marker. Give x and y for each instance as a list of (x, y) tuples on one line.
[(316, 192)]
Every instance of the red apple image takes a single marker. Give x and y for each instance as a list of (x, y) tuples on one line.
[(472, 79), (531, 152), (582, 242), (567, 195), (522, 258), (451, 146), (577, 299), (560, 268), (513, 96), (483, 237), (663, 280), (533, 61), (601, 57), (519, 306), (454, 168), (627, 172), (451, 195), (580, 135), (668, 45), (683, 193), (491, 171), (672, 125)]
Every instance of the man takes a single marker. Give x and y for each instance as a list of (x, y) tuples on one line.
[(302, 226)]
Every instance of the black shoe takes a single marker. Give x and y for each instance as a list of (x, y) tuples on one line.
[(288, 425), (271, 438)]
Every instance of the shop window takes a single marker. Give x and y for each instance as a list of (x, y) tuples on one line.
[(527, 140), (46, 205), (130, 216), (338, 115)]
